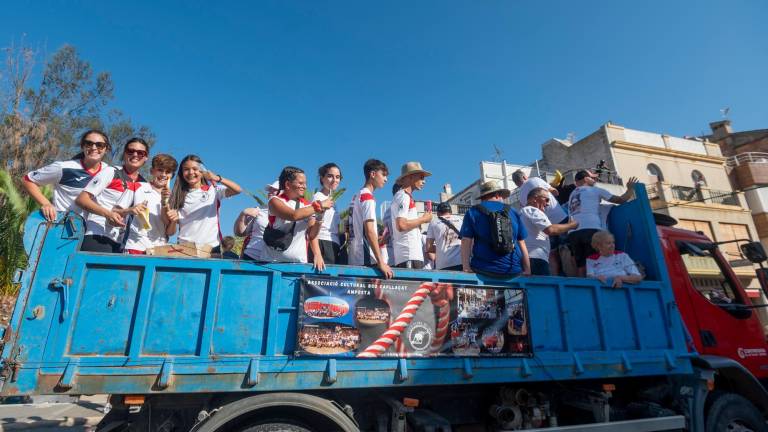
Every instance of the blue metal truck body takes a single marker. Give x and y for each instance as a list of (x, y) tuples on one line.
[(90, 323)]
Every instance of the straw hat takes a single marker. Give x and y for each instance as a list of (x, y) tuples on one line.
[(492, 186), (412, 168)]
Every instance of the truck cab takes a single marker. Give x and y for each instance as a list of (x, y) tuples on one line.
[(719, 315)]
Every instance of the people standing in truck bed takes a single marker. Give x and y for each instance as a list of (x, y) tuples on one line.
[(292, 221), (68, 177), (406, 236), (251, 223), (444, 240), (148, 229), (105, 221), (328, 236), (540, 229), (194, 205), (364, 239), (493, 236), (584, 207)]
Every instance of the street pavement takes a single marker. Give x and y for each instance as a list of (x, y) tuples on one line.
[(56, 413)]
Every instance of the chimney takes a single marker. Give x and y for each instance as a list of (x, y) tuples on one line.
[(720, 129), (447, 189)]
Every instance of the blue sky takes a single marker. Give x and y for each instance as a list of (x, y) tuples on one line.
[(254, 86)]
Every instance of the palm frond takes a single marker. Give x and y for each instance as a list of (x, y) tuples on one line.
[(11, 195), (335, 195)]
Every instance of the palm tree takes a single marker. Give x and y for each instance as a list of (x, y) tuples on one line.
[(14, 208)]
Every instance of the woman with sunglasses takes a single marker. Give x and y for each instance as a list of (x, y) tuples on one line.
[(105, 221), (328, 236), (68, 177)]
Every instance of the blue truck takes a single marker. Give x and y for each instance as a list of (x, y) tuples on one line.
[(186, 344)]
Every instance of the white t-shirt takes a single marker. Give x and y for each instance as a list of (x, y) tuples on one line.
[(537, 242), (553, 211), (68, 178), (297, 251), (140, 238), (255, 244), (108, 188), (447, 241), (618, 264), (584, 206), (407, 245), (363, 209), (329, 230), (199, 217)]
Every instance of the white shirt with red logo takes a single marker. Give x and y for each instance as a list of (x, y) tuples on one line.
[(109, 187), (139, 238), (329, 230), (363, 209), (69, 178), (297, 251), (199, 217), (618, 264), (407, 245)]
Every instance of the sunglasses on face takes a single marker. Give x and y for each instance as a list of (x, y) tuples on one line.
[(139, 153), (97, 145), (546, 199)]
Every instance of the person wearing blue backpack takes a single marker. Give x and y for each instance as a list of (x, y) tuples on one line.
[(493, 236)]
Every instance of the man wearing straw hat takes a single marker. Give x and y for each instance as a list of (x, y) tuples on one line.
[(406, 238), (478, 247)]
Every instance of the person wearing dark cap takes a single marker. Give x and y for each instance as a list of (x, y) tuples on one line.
[(500, 252), (443, 239), (584, 208)]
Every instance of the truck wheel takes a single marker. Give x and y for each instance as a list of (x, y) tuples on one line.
[(276, 427), (730, 412)]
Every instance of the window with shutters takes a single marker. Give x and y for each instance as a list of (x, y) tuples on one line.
[(696, 225), (730, 232)]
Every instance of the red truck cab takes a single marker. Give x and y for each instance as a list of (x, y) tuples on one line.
[(719, 315)]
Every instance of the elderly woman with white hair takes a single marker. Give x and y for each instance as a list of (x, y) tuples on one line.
[(609, 265)]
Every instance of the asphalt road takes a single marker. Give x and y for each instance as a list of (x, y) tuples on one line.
[(53, 414)]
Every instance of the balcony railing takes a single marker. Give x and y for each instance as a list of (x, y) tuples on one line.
[(703, 195), (747, 158)]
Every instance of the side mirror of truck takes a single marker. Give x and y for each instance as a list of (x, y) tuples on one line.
[(754, 252)]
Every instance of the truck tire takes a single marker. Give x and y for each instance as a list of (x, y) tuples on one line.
[(307, 413), (276, 427), (730, 412)]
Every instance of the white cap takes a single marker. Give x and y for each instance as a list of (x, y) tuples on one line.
[(275, 185)]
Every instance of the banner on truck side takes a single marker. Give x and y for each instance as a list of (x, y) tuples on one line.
[(373, 318)]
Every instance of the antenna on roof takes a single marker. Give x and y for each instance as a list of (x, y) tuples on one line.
[(725, 111), (498, 154)]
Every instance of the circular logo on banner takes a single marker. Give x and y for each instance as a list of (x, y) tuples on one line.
[(420, 336)]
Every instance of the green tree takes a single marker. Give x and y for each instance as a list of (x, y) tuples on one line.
[(41, 121), (13, 213)]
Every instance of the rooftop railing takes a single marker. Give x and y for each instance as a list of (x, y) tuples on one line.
[(747, 158)]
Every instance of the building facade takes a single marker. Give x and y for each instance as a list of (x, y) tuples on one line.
[(747, 167), (686, 178)]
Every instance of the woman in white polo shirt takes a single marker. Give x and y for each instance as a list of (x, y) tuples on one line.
[(68, 177), (195, 201), (292, 222), (328, 237)]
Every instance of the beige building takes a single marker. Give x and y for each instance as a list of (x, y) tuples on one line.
[(686, 178)]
